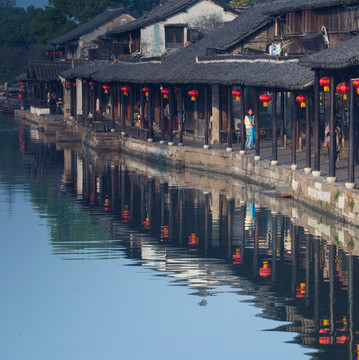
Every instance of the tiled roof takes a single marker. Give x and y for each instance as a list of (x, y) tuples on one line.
[(91, 25), (345, 54), (45, 70)]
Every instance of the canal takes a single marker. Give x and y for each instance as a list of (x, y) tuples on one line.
[(107, 257)]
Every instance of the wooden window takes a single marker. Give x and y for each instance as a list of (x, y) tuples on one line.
[(174, 37)]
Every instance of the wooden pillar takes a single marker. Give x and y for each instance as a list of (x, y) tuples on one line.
[(113, 106), (274, 128), (229, 117), (130, 99), (282, 130), (308, 133), (351, 164), (123, 112), (316, 165), (149, 112), (170, 115), (180, 120), (294, 131), (206, 120), (142, 97), (256, 121), (162, 121), (243, 115), (332, 142)]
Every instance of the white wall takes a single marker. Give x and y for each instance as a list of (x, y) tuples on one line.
[(204, 15), (78, 97)]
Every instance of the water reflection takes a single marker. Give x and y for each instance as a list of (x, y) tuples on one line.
[(202, 232)]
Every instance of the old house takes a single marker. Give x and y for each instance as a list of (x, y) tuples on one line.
[(76, 44)]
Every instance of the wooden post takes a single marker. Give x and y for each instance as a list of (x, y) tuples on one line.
[(206, 121), (162, 122), (308, 133), (316, 165), (294, 132), (332, 142), (113, 106), (256, 121), (274, 128), (351, 163), (123, 112), (243, 115), (282, 130), (170, 115), (142, 113), (229, 117), (180, 120), (149, 112), (130, 96)]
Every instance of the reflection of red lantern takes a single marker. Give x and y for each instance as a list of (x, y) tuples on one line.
[(165, 93), (106, 88), (343, 89), (107, 204), (193, 94), (265, 99), (302, 100), (126, 215), (146, 223), (19, 96), (265, 271), (237, 256), (325, 82), (237, 94), (356, 85), (125, 90), (193, 241), (164, 232), (324, 340), (301, 290), (22, 84)]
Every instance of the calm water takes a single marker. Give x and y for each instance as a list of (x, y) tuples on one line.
[(108, 258)]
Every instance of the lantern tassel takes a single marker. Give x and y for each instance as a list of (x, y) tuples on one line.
[(302, 105), (326, 88), (265, 104), (345, 96), (237, 98)]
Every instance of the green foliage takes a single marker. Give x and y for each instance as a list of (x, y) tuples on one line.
[(351, 204), (241, 3), (351, 244), (326, 204), (336, 195)]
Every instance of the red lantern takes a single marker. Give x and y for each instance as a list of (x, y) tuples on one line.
[(265, 99), (125, 90), (47, 52), (165, 93), (106, 88), (343, 89), (356, 85), (237, 94), (84, 81), (193, 94), (68, 83), (265, 271), (146, 90), (325, 82), (301, 99), (91, 84), (74, 84)]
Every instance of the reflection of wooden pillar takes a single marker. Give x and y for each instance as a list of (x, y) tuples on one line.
[(229, 117), (332, 142), (143, 205), (308, 252), (171, 213), (274, 245), (316, 111), (294, 258), (274, 126), (181, 212), (229, 226), (332, 250), (206, 222), (132, 193), (243, 231), (316, 285), (162, 193), (150, 195), (256, 245), (123, 112)]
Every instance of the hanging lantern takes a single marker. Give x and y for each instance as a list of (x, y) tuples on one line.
[(106, 88), (47, 52), (237, 94), (125, 90), (193, 94), (146, 90), (343, 89), (265, 271), (84, 81), (68, 83), (91, 84), (265, 99), (302, 100), (165, 93), (356, 85), (325, 82), (74, 84)]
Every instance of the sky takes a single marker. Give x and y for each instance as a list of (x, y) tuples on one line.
[(26, 3)]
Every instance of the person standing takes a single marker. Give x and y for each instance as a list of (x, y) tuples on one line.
[(250, 132)]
